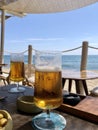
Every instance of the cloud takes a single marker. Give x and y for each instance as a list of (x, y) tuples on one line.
[(15, 41), (34, 39), (44, 39)]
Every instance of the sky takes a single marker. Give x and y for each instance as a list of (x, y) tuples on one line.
[(56, 31)]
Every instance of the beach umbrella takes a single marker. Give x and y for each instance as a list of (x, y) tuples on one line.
[(23, 7), (42, 6)]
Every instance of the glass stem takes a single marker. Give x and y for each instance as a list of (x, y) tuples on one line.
[(18, 86), (48, 114)]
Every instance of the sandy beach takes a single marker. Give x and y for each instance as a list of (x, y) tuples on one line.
[(90, 83)]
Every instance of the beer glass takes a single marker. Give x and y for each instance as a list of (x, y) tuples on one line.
[(17, 73), (48, 90)]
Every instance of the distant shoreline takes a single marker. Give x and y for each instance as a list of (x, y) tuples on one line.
[(68, 61)]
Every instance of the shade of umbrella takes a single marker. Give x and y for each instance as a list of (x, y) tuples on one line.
[(42, 6), (22, 7)]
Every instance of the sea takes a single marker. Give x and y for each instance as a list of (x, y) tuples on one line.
[(69, 62)]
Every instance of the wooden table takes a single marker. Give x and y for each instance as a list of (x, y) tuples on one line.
[(78, 77), (23, 121), (2, 65)]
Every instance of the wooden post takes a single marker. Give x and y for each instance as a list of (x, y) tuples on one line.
[(84, 56), (30, 54), (2, 36), (29, 66)]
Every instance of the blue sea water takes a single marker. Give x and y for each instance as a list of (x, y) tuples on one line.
[(69, 61), (74, 62)]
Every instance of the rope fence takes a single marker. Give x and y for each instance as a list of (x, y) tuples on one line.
[(73, 49), (93, 47), (16, 52), (84, 53)]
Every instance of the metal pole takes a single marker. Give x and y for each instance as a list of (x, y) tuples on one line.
[(2, 35)]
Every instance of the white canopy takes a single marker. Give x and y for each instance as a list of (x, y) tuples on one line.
[(19, 7)]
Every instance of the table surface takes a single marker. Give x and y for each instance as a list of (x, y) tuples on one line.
[(79, 75), (3, 65), (23, 121)]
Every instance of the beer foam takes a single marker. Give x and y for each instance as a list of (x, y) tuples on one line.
[(48, 69)]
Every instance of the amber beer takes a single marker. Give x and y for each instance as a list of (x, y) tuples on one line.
[(48, 89), (17, 71)]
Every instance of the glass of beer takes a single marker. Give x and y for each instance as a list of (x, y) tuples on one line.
[(17, 73), (48, 90)]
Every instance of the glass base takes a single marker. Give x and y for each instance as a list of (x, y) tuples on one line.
[(17, 90), (55, 122)]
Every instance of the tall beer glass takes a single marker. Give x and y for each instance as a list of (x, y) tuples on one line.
[(17, 70), (48, 90)]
